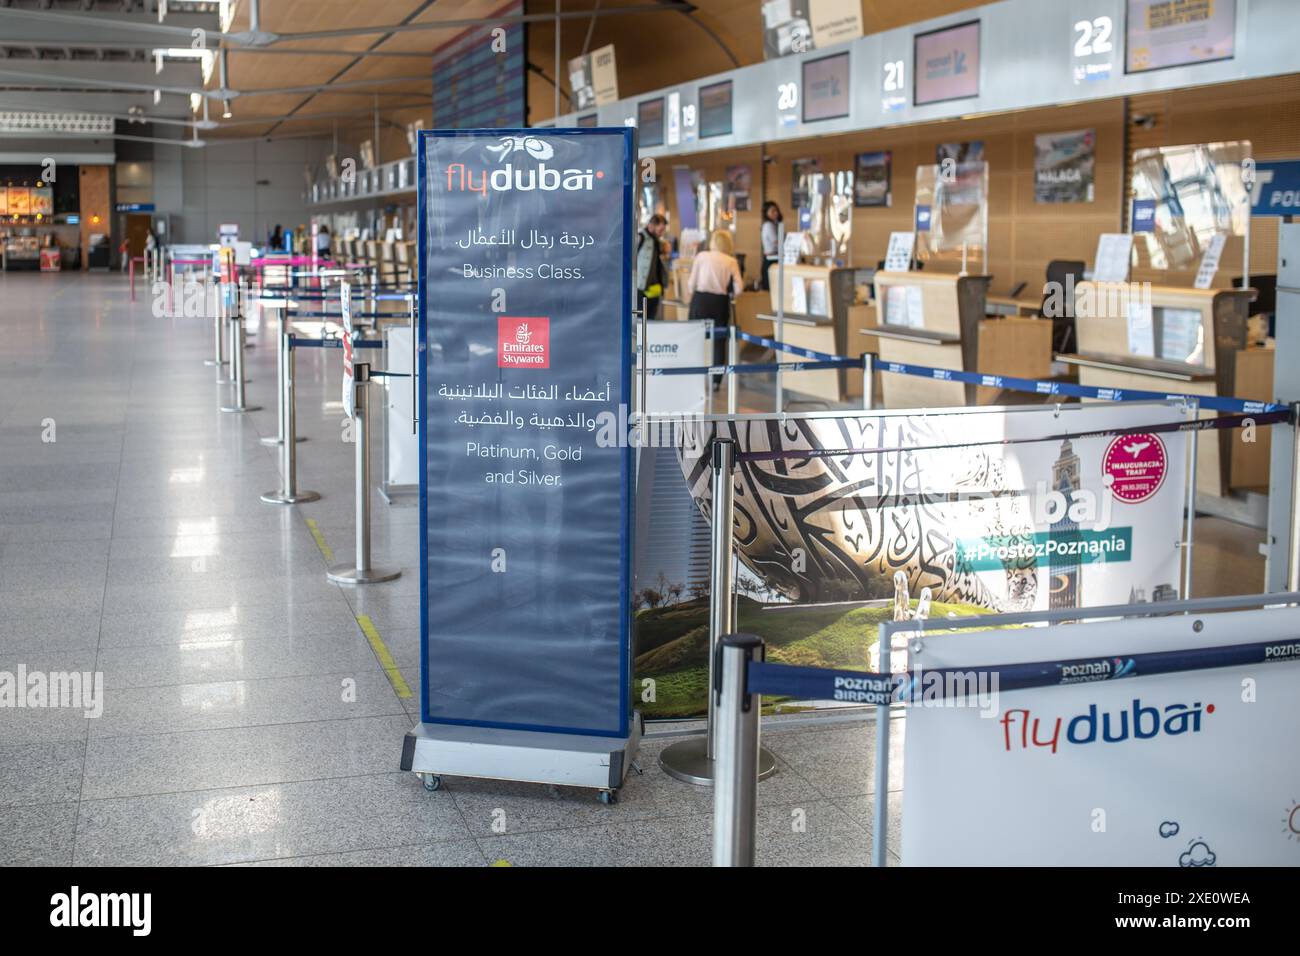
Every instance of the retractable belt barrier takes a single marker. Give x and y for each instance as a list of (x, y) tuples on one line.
[(822, 361), (742, 676), (865, 687), (1039, 387), (1194, 425), (300, 343), (767, 367)]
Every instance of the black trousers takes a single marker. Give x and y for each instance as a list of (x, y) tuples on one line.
[(764, 282), (715, 306), (650, 307)]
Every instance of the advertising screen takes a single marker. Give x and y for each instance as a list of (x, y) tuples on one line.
[(650, 121), (947, 64), (1163, 33), (826, 88), (715, 110)]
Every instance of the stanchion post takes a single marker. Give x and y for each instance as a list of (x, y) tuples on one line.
[(1293, 551), (880, 823), (780, 318), (868, 381), (735, 781), (288, 493), (283, 382), (360, 571), (692, 760), (1193, 452), (237, 365), (218, 342), (732, 361)]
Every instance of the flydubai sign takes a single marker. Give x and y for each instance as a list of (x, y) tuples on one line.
[(523, 177)]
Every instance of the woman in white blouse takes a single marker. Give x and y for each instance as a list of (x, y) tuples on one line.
[(770, 236), (715, 276)]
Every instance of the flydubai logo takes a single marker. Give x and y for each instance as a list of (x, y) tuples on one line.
[(520, 178), (523, 343), (1021, 729)]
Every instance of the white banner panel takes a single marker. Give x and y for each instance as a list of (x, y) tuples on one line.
[(401, 444), (1189, 769), (676, 345)]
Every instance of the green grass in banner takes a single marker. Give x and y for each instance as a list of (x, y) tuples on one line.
[(672, 644)]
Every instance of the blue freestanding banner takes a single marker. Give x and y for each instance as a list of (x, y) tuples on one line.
[(524, 387)]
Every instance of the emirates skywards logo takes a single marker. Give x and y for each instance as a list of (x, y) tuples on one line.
[(523, 342), (1021, 729)]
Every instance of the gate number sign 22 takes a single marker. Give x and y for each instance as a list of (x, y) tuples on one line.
[(1094, 36)]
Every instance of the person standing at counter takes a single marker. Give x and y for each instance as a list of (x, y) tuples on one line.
[(650, 273), (715, 275), (770, 236)]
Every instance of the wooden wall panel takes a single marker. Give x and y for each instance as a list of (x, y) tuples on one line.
[(96, 200)]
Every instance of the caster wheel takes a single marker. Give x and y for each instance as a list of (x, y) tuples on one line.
[(432, 782), (608, 797)]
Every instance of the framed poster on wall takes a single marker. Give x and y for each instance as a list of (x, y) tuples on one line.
[(946, 64), (1064, 166), (871, 179)]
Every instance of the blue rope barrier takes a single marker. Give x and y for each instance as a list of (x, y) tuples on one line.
[(1035, 386), (792, 349), (339, 315), (768, 367), (297, 343), (1221, 423), (1039, 387), (815, 683)]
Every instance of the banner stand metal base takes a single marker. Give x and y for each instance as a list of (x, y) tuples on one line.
[(522, 756), (688, 761)]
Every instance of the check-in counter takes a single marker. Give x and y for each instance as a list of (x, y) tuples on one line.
[(938, 320), (1176, 340), (819, 306)]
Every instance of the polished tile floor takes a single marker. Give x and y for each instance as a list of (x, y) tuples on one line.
[(246, 718)]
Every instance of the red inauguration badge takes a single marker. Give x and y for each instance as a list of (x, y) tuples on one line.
[(1137, 466)]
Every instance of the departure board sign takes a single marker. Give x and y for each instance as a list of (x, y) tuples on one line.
[(715, 109), (946, 64), (826, 88), (524, 386), (1164, 33), (478, 79), (650, 121)]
